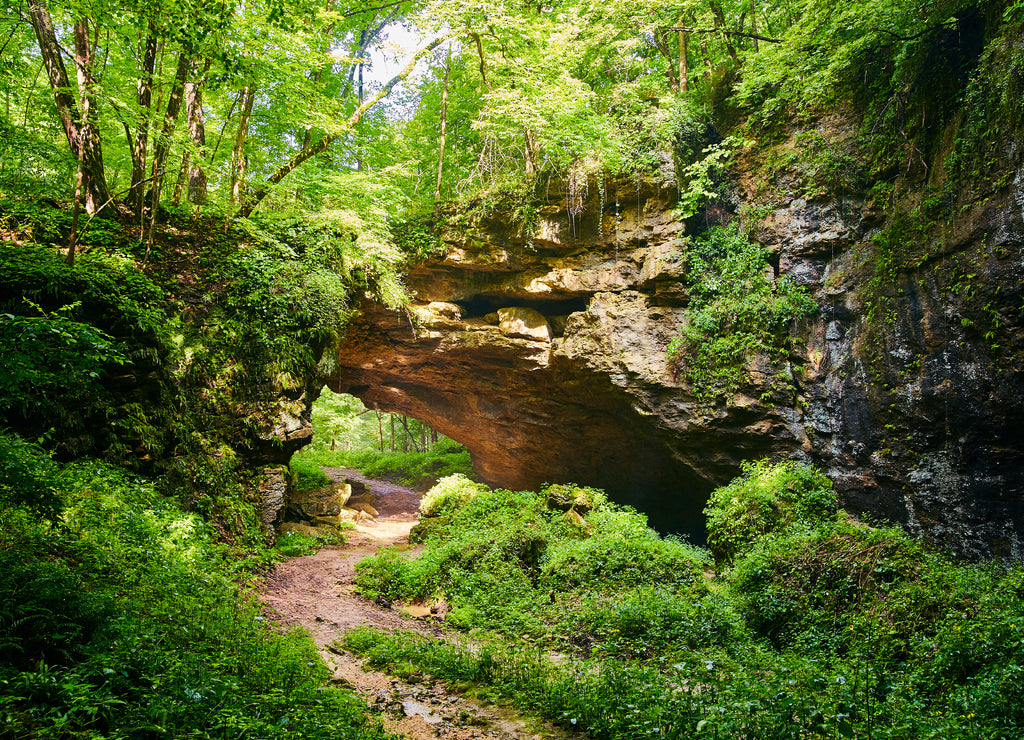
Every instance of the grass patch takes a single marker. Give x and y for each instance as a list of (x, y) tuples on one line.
[(414, 469)]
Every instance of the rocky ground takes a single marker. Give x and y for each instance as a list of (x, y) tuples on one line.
[(317, 593)]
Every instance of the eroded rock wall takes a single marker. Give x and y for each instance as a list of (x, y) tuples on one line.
[(906, 387)]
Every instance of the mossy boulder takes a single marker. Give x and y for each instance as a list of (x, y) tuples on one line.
[(568, 497)]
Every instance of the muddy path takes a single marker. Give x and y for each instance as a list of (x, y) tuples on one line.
[(317, 593)]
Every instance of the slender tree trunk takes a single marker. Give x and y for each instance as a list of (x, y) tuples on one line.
[(684, 73), (392, 432), (182, 179), (144, 98), (239, 162), (753, 23), (360, 162), (197, 133), (76, 212), (94, 187), (82, 136), (716, 8), (163, 142), (659, 41), (483, 63), (444, 125), (706, 55), (409, 438)]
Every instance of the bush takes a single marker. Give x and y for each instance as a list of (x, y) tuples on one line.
[(308, 475), (767, 497), (735, 312), (822, 589), (450, 493)]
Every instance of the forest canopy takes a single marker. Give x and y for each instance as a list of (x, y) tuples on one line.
[(280, 104)]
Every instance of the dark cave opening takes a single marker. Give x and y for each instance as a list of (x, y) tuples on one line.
[(481, 305)]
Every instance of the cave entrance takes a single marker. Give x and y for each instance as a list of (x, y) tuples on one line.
[(341, 422), (403, 449)]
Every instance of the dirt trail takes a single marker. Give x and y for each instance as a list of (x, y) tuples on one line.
[(317, 593)]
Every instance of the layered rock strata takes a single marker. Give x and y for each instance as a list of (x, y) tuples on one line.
[(546, 356)]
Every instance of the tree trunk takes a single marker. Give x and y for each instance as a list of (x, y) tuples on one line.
[(753, 23), (716, 8), (94, 186), (75, 213), (197, 133), (684, 73), (239, 162), (408, 436), (444, 125), (659, 41), (163, 142), (82, 136), (179, 183), (144, 98), (483, 64)]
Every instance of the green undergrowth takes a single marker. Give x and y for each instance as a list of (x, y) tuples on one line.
[(177, 359), (415, 469), (810, 625), (121, 616), (297, 544), (307, 474)]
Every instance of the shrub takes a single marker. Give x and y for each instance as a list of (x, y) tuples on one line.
[(819, 589), (765, 498), (125, 621), (308, 475), (735, 312), (450, 493)]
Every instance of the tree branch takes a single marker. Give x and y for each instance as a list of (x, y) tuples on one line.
[(744, 34), (325, 142)]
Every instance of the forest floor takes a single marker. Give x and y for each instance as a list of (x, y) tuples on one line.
[(317, 593)]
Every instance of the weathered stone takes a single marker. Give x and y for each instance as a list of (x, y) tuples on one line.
[(367, 509), (325, 501), (272, 492), (525, 323), (300, 528), (564, 497), (914, 414)]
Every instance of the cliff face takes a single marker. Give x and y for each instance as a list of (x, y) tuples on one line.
[(906, 388)]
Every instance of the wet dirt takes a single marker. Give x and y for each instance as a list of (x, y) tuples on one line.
[(317, 593)]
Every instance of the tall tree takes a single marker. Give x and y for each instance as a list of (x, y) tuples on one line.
[(78, 118)]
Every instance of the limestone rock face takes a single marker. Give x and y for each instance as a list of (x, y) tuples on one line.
[(272, 489), (525, 323), (913, 409), (327, 501)]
